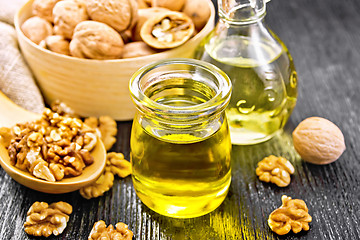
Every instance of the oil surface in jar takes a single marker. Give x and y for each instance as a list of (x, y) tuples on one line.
[(182, 173), (264, 91)]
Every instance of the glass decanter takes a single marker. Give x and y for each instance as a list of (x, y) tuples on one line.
[(260, 67)]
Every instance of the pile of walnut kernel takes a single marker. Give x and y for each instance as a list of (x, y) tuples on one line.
[(113, 29), (52, 147), (44, 220)]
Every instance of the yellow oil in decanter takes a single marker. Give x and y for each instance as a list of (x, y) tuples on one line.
[(264, 85)]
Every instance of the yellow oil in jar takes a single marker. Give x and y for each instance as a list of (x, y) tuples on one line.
[(181, 173), (188, 178)]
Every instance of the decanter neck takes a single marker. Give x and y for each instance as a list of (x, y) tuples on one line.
[(241, 12)]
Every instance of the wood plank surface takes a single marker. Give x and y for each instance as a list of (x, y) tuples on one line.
[(323, 37)]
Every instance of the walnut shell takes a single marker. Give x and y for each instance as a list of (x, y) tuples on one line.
[(198, 11), (36, 29), (119, 14), (174, 5), (142, 4), (58, 44), (137, 49), (96, 40), (143, 15), (44, 8), (167, 30), (318, 140), (67, 14)]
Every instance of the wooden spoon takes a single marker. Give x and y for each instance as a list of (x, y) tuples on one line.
[(10, 114)]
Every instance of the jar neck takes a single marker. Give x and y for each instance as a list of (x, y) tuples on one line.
[(180, 92), (241, 12)]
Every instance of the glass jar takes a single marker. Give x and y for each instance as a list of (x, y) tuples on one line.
[(260, 67), (180, 143)]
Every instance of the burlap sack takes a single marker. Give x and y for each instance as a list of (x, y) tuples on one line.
[(16, 80)]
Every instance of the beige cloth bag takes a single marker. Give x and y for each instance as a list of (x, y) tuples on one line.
[(16, 79)]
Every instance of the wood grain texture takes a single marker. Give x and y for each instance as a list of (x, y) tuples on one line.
[(324, 39)]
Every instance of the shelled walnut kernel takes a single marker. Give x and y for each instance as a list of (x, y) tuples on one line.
[(62, 109), (52, 147), (292, 215), (276, 170), (43, 219), (117, 164), (97, 189), (101, 232), (107, 127)]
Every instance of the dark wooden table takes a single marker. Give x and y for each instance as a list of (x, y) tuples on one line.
[(324, 39)]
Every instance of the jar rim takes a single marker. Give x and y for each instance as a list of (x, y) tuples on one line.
[(214, 105)]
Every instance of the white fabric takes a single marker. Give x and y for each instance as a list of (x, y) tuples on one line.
[(16, 79)]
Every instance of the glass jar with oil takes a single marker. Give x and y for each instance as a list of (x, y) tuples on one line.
[(180, 143), (260, 67)]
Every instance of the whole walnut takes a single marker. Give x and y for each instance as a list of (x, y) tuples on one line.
[(58, 44), (36, 29), (174, 5), (198, 11), (318, 140), (137, 49), (96, 40), (119, 14), (143, 15), (44, 8), (67, 14)]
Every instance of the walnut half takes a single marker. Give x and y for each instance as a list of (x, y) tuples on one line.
[(167, 30), (292, 215), (276, 170), (107, 127), (44, 219), (97, 189), (101, 232), (115, 164)]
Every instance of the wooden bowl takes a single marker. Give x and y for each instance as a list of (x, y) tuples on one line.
[(93, 87)]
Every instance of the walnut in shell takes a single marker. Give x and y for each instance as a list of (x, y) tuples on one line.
[(167, 30), (318, 140), (198, 11), (143, 15), (174, 5), (36, 29), (67, 14), (58, 44), (137, 49), (119, 14), (44, 8), (96, 40)]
